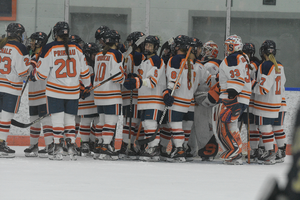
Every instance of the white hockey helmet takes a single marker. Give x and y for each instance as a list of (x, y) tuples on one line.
[(232, 44)]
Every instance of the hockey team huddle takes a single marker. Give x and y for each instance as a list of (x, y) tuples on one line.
[(183, 95)]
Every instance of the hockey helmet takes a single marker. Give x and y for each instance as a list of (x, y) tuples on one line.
[(100, 32), (134, 36), (249, 48), (89, 49), (195, 43), (61, 29), (232, 44), (75, 39), (183, 43), (268, 47), (210, 49), (16, 30), (152, 40), (111, 37), (39, 37)]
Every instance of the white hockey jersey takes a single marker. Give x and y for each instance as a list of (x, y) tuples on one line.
[(131, 65), (63, 74), (253, 73), (269, 90), (14, 67), (37, 89), (87, 106), (184, 92), (152, 71), (233, 74), (212, 65), (106, 66)]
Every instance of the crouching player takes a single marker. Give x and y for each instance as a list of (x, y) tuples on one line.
[(235, 96)]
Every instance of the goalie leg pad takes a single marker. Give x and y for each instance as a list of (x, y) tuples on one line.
[(230, 138), (210, 150)]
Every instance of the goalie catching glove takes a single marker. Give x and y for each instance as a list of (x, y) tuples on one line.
[(133, 83), (168, 99)]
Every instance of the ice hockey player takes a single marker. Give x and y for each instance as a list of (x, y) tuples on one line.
[(14, 68), (108, 97), (76, 39), (207, 144), (131, 65), (87, 110), (62, 89), (179, 103), (150, 82), (99, 36), (269, 92), (235, 95), (37, 103)]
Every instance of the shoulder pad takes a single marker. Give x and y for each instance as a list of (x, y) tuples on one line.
[(232, 59), (265, 67), (176, 61), (118, 55), (138, 58), (47, 48), (156, 60), (216, 60), (20, 46)]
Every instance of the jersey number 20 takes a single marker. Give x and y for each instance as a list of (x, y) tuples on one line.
[(61, 73)]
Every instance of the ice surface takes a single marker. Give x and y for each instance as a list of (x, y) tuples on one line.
[(42, 179)]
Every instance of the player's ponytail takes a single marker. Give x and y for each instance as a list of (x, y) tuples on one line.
[(189, 72), (106, 48), (3, 42), (273, 60), (248, 63), (65, 39)]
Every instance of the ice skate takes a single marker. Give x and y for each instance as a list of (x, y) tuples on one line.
[(57, 152), (163, 153), (43, 153), (5, 151), (268, 158), (237, 160), (122, 151), (177, 155), (150, 154), (107, 152), (254, 155), (97, 148), (85, 149), (32, 150), (72, 152), (188, 155), (280, 155)]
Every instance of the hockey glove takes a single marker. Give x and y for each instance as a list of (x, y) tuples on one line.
[(85, 91), (230, 110), (168, 99), (133, 83), (32, 75)]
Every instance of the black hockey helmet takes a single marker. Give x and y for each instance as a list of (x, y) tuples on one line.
[(181, 41), (268, 47), (153, 40), (111, 37), (39, 37), (61, 29), (89, 49), (249, 48), (196, 43), (75, 39), (16, 30), (134, 36), (100, 32)]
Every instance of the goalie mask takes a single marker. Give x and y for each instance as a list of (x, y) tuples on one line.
[(210, 50), (232, 44), (16, 30), (268, 47)]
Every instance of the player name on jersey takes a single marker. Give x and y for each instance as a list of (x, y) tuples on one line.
[(63, 52), (105, 58), (5, 50)]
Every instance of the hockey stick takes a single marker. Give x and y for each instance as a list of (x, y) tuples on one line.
[(150, 139), (22, 125), (137, 43), (165, 45), (106, 80), (248, 135)]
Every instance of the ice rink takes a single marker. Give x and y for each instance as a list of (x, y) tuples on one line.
[(23, 178)]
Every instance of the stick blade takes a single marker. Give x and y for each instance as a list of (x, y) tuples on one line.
[(19, 124)]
